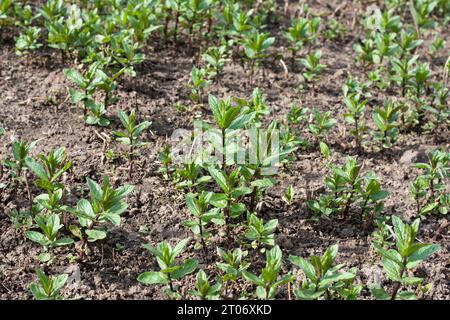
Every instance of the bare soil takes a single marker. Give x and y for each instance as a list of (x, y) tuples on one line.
[(27, 84)]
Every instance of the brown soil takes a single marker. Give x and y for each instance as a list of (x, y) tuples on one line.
[(25, 113)]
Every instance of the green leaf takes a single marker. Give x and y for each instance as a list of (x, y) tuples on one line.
[(306, 266), (188, 267), (95, 235), (379, 293), (63, 242), (152, 277), (421, 254), (36, 237), (95, 189), (36, 168), (252, 278), (220, 179), (74, 76), (392, 269), (242, 120)]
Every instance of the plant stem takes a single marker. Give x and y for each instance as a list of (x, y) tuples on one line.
[(349, 202), (228, 221), (130, 157), (254, 192), (106, 99), (202, 240), (30, 198), (224, 160), (398, 283)]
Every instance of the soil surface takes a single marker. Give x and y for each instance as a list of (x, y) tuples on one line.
[(34, 106)]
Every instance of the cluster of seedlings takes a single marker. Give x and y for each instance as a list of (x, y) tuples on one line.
[(102, 41)]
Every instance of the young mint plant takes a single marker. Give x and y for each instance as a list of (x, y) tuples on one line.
[(48, 287), (297, 35), (288, 197), (198, 206), (386, 122), (106, 204), (322, 124), (324, 279), (28, 41), (131, 135), (50, 168), (170, 270), (268, 281), (97, 116), (435, 174), (255, 46), (260, 233), (399, 262), (204, 289), (313, 66), (233, 265), (227, 201), (49, 224), (198, 83), (355, 117), (216, 59), (166, 160)]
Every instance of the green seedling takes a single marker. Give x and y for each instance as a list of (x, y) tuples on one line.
[(418, 190), (169, 269), (28, 41), (324, 279), (289, 196), (233, 265), (216, 59), (52, 201), (355, 117), (313, 66), (18, 166), (382, 236), (49, 225), (204, 289), (49, 169), (419, 81), (48, 287), (198, 206), (260, 233), (385, 120), (97, 116), (190, 176), (372, 196), (385, 47), (255, 46), (166, 160), (106, 204), (297, 35), (21, 220), (436, 46), (435, 173), (438, 110), (297, 115), (421, 11), (408, 43), (268, 281), (336, 30), (403, 72), (198, 83), (322, 124), (399, 262), (131, 136), (227, 201)]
